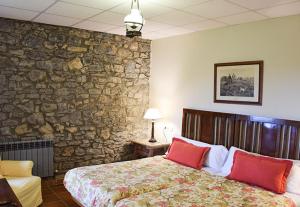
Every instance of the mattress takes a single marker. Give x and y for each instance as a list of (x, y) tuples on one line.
[(157, 181)]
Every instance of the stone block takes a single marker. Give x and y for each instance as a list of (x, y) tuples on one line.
[(36, 75), (77, 49), (48, 107), (36, 119), (75, 64), (22, 129), (124, 53), (5, 131), (46, 129), (72, 129), (27, 107)]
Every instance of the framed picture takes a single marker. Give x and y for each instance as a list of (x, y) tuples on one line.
[(239, 82)]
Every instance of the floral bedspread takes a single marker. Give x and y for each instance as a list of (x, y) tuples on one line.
[(210, 191), (156, 181), (104, 185)]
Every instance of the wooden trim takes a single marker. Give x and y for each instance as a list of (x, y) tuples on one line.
[(260, 87), (254, 133)]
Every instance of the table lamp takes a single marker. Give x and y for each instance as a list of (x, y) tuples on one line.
[(153, 114)]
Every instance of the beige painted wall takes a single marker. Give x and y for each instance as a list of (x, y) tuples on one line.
[(182, 69)]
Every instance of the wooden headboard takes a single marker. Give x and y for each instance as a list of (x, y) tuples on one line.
[(266, 136)]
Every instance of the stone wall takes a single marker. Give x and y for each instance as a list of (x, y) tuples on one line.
[(85, 90)]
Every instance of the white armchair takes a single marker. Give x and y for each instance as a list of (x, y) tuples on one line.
[(19, 176)]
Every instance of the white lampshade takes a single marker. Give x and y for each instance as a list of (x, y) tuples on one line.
[(152, 113)]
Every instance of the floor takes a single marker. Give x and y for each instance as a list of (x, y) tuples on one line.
[(55, 194)]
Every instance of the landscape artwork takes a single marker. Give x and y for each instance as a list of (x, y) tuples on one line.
[(239, 82)]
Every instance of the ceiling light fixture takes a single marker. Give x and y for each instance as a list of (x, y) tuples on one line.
[(134, 21)]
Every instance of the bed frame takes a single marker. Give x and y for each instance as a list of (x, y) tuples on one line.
[(267, 136)]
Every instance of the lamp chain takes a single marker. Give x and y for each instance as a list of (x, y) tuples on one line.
[(137, 3)]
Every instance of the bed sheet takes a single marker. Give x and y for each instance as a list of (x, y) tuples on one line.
[(294, 197), (216, 172), (104, 185), (208, 191)]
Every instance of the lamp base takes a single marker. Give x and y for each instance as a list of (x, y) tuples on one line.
[(152, 140), (152, 133)]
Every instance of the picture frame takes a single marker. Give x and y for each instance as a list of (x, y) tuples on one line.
[(239, 82)]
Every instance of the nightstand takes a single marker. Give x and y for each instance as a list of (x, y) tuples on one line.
[(144, 148)]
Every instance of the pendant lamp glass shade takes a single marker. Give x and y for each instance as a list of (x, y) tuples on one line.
[(134, 21)]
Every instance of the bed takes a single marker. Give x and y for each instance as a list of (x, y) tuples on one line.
[(158, 181)]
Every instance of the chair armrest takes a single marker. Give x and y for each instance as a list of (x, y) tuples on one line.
[(15, 168)]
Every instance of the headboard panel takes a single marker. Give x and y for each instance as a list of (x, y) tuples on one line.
[(207, 126), (267, 136)]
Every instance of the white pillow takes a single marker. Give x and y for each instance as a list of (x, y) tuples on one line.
[(226, 169), (293, 180), (216, 155)]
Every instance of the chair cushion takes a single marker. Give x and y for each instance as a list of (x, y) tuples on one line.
[(27, 190)]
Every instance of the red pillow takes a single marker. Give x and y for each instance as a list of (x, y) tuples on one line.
[(266, 172), (187, 154)]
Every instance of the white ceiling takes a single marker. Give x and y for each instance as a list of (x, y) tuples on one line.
[(164, 18)]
